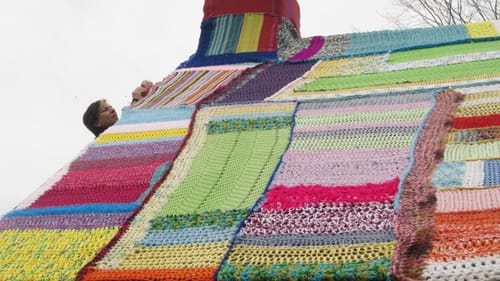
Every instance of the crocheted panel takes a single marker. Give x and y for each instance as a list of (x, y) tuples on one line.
[(260, 82), (400, 72), (189, 86), (329, 210), (186, 227), (94, 197), (465, 241)]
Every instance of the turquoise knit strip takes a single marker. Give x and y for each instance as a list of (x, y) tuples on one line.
[(135, 116), (225, 34), (388, 40), (448, 174), (206, 234)]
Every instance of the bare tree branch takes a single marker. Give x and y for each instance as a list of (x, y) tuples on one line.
[(444, 12)]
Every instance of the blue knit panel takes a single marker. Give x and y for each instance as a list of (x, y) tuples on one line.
[(207, 234), (391, 40), (491, 173), (134, 116), (225, 35), (448, 174)]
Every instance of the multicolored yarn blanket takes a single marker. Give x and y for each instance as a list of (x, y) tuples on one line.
[(364, 156)]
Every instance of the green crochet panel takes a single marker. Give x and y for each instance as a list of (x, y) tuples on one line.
[(444, 51), (463, 71), (229, 172)]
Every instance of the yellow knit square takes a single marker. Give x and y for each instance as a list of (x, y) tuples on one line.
[(482, 29), (250, 33), (49, 254)]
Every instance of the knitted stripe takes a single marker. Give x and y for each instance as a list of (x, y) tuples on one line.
[(219, 218), (470, 174), (174, 274), (329, 218), (464, 200), (469, 152), (78, 221), (34, 255), (377, 269), (226, 31), (159, 115), (250, 33), (189, 235), (482, 29), (144, 135), (479, 135), (265, 83), (130, 128), (243, 254), (283, 197), (74, 209), (200, 255), (466, 234), (317, 240), (126, 162), (475, 69), (492, 173), (489, 106), (269, 33), (479, 268), (479, 121), (134, 150), (443, 51)]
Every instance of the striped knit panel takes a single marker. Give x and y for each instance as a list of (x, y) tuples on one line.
[(185, 229), (188, 87), (261, 82), (93, 199), (329, 210), (465, 242), (402, 72)]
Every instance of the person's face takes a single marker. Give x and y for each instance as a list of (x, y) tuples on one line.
[(107, 115)]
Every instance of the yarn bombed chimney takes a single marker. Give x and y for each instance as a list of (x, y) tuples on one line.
[(268, 156), (242, 31)]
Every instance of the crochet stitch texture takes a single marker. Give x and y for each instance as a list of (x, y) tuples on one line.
[(268, 156)]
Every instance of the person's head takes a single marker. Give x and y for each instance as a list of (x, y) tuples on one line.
[(99, 116)]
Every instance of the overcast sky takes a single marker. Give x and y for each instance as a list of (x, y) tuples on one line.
[(58, 56)]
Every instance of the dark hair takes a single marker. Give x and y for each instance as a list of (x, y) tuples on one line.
[(90, 118)]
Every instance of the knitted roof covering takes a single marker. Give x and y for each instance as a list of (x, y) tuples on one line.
[(267, 156)]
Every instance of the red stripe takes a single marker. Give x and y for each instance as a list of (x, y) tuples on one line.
[(476, 121), (284, 197), (269, 34)]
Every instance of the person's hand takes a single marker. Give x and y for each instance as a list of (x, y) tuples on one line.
[(147, 84)]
